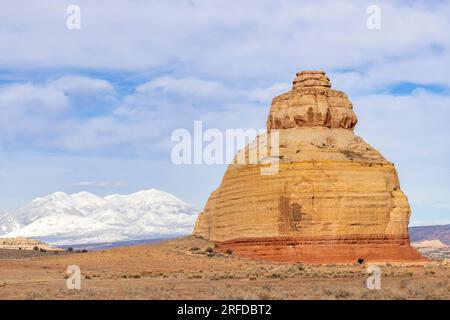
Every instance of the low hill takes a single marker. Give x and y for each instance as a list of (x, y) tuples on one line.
[(21, 243), (437, 232)]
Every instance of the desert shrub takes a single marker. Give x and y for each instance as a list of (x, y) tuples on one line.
[(342, 294), (70, 249), (229, 251), (42, 250), (300, 267), (36, 248), (327, 291), (209, 250)]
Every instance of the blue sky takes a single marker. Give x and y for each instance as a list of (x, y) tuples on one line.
[(93, 109)]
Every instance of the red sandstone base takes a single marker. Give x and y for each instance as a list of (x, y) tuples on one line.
[(351, 249)]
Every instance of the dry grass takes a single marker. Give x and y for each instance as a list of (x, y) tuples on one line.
[(189, 268)]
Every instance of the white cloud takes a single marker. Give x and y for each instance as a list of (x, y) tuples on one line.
[(30, 97), (265, 95), (263, 42), (27, 111), (187, 87), (46, 115), (41, 114)]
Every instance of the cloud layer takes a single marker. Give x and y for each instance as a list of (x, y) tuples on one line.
[(134, 72)]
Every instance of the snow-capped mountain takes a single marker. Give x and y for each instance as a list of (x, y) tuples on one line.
[(83, 217)]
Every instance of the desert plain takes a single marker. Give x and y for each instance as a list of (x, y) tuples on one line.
[(191, 268)]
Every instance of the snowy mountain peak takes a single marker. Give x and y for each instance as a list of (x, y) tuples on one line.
[(153, 195), (150, 196), (59, 195), (84, 217), (84, 194), (87, 199)]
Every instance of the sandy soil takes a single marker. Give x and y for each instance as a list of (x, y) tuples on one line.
[(188, 268)]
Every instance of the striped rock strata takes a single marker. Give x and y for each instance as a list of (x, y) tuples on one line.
[(334, 197)]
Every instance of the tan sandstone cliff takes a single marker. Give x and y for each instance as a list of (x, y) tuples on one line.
[(333, 199)]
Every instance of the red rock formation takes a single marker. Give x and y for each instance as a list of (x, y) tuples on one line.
[(349, 249)]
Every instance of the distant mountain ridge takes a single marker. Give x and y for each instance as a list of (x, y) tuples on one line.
[(437, 232), (83, 217)]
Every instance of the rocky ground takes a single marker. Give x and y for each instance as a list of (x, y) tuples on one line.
[(437, 254), (433, 249), (25, 254), (189, 268)]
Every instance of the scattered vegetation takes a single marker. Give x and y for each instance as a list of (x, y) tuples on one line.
[(194, 268)]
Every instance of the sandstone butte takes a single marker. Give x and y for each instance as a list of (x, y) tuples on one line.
[(335, 199)]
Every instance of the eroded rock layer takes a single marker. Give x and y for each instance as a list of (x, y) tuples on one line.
[(311, 103), (350, 249), (334, 198)]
